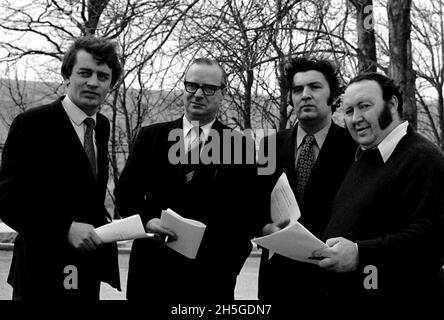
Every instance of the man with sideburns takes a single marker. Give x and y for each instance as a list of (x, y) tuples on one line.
[(315, 154), (386, 232)]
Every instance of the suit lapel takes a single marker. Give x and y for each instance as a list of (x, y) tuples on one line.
[(102, 137), (166, 145), (70, 146), (286, 155)]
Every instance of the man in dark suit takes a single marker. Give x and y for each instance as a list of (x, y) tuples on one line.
[(53, 181), (326, 150), (386, 233), (216, 193)]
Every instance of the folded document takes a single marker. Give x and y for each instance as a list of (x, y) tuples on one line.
[(294, 241), (189, 233), (124, 229)]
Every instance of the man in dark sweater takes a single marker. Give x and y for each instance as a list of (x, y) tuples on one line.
[(313, 90), (386, 233)]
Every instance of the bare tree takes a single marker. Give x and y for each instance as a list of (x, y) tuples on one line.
[(366, 35), (428, 36), (401, 69)]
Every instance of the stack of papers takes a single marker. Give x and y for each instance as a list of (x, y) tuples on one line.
[(189, 233), (294, 241)]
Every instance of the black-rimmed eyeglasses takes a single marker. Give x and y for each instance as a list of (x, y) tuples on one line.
[(208, 89)]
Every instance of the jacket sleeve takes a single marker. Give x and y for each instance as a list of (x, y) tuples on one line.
[(21, 205)]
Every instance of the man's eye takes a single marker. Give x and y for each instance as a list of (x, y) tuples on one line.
[(209, 87), (296, 89), (84, 73), (349, 111), (103, 77), (364, 106)]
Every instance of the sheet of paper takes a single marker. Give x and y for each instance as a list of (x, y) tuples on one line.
[(4, 228), (294, 242), (283, 204), (189, 233), (124, 229)]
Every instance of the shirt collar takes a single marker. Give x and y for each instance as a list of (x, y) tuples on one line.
[(74, 112), (389, 143), (187, 125), (319, 136)]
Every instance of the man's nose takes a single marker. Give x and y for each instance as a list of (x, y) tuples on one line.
[(306, 93), (199, 93), (93, 81), (357, 116)]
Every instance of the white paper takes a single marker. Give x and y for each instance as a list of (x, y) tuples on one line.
[(294, 241), (124, 229), (283, 204), (189, 233), (4, 228)]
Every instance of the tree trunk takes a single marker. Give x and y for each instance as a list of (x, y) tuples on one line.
[(95, 9), (401, 70), (283, 103), (247, 105), (366, 35)]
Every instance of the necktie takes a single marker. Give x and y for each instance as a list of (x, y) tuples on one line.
[(305, 164), (193, 153), (89, 145)]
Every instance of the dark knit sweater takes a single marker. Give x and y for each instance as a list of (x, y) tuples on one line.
[(395, 213)]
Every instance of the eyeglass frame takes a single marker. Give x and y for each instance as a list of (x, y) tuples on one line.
[(202, 87)]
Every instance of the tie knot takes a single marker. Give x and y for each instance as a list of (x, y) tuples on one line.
[(308, 139), (89, 122)]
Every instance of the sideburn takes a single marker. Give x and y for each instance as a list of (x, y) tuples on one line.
[(385, 117)]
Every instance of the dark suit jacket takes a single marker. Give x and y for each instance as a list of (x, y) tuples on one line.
[(334, 159), (218, 195), (46, 183)]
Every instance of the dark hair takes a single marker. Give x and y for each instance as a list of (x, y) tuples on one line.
[(209, 62), (295, 65), (103, 50), (388, 86)]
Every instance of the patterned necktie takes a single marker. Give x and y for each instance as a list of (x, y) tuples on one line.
[(89, 145), (193, 153), (305, 164)]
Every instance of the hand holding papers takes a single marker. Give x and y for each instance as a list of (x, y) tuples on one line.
[(189, 233), (124, 229), (294, 241)]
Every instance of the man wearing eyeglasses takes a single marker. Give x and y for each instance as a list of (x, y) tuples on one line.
[(217, 194)]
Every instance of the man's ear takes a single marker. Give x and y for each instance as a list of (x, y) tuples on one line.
[(393, 105)]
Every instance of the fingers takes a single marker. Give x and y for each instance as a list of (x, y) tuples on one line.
[(332, 241), (269, 228), (83, 237), (156, 226), (327, 263), (96, 239), (283, 224)]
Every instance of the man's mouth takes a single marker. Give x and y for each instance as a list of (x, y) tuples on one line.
[(361, 130), (90, 93), (308, 106)]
